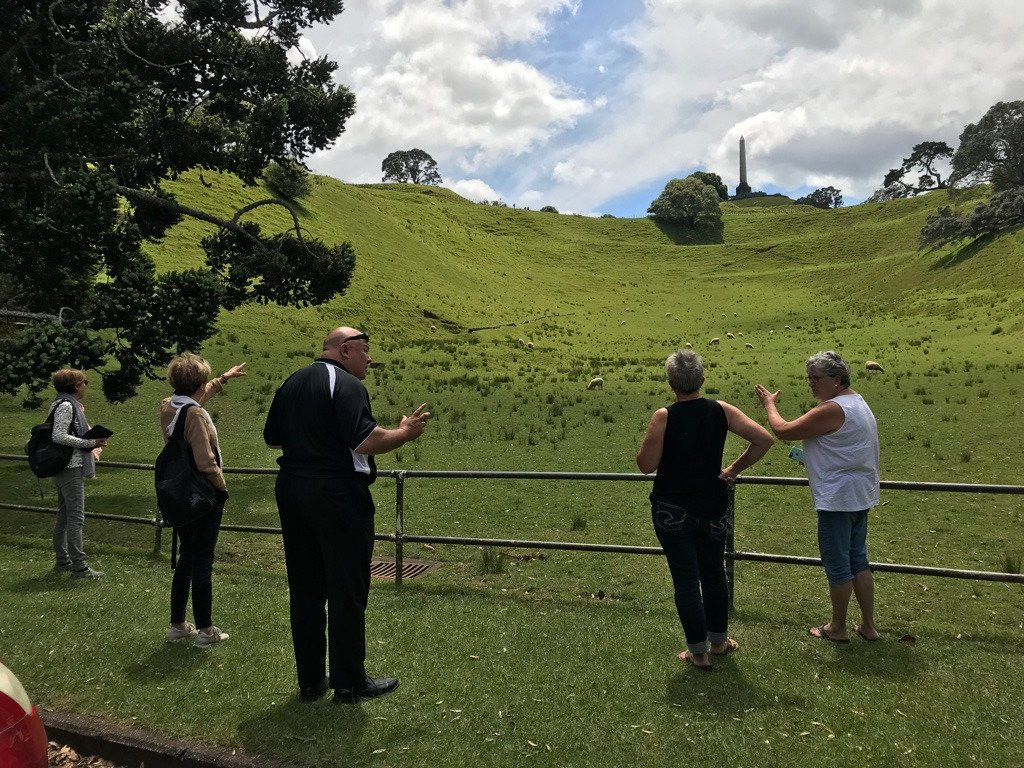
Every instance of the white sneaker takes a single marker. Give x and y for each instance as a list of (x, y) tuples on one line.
[(174, 633), (204, 640)]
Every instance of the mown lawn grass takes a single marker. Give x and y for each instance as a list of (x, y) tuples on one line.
[(492, 678), (607, 297)]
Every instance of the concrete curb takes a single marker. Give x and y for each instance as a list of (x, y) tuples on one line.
[(136, 748)]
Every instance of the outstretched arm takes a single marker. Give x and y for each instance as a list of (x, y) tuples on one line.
[(216, 385), (382, 440), (822, 419)]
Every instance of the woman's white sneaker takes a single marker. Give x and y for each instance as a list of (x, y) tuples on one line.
[(204, 640), (179, 633)]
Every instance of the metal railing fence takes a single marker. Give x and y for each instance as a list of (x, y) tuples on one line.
[(400, 537)]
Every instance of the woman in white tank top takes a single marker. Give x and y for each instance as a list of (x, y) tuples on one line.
[(840, 443)]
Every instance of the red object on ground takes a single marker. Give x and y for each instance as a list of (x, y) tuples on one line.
[(22, 735)]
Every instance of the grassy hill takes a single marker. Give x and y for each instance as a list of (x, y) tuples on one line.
[(608, 297)]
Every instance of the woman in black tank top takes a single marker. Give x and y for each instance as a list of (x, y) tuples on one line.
[(684, 443)]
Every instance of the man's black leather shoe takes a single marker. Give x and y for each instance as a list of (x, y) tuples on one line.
[(314, 692), (372, 688)]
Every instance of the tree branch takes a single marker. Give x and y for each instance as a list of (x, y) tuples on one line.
[(271, 201), (41, 88), (172, 206), (10, 52)]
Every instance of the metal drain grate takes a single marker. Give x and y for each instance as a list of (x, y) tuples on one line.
[(384, 568)]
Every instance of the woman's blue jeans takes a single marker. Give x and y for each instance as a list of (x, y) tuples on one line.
[(695, 549)]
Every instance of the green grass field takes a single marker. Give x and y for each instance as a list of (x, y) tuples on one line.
[(607, 297)]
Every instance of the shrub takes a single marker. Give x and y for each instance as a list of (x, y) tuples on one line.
[(289, 179), (549, 209), (689, 203)]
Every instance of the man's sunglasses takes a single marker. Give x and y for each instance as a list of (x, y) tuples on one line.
[(358, 336)]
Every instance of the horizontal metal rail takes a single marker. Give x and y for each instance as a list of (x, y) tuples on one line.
[(400, 537)]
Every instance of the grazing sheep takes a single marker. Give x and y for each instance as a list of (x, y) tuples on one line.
[(689, 345), (623, 322), (871, 365), (748, 345), (596, 383), (729, 336), (771, 331), (529, 345), (520, 343), (433, 327), (786, 327), (715, 340), (668, 314), (740, 333)]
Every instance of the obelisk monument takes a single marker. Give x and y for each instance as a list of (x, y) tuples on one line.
[(743, 189)]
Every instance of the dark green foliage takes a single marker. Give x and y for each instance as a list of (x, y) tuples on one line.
[(549, 209), (101, 101), (992, 149), (1004, 210), (289, 179), (688, 203), (712, 180), (824, 197), (413, 166), (922, 160)]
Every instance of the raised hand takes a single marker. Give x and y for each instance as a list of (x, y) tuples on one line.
[(234, 371)]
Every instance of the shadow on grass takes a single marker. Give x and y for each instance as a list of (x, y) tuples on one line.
[(888, 659), (169, 660), (964, 253), (725, 689), (309, 734), (685, 236), (48, 581)]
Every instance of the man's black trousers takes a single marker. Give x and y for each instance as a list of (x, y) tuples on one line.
[(327, 527)]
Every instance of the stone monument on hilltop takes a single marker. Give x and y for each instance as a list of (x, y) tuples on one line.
[(743, 189)]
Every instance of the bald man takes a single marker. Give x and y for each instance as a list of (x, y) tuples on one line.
[(322, 422)]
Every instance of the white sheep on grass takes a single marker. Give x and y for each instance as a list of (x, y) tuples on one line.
[(596, 383), (871, 365), (529, 345), (715, 340), (729, 336), (520, 343), (748, 345)]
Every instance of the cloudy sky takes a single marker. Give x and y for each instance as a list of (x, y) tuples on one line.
[(592, 105)]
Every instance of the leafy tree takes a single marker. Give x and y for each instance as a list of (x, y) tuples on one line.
[(99, 102), (289, 179), (992, 149), (410, 165), (688, 203), (712, 180), (824, 197), (1004, 210), (922, 161), (549, 209)]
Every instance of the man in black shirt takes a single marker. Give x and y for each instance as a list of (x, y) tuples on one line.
[(322, 422)]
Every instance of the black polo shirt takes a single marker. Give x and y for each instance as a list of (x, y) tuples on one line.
[(319, 416)]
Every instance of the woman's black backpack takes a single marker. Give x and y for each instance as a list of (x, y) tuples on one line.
[(45, 457), (183, 493)]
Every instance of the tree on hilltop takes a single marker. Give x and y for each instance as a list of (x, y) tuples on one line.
[(688, 203), (413, 166), (992, 150), (922, 161), (99, 103), (824, 197), (712, 180)]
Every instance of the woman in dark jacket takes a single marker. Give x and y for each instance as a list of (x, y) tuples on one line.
[(69, 423), (684, 443)]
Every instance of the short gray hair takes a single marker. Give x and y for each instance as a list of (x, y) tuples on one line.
[(685, 371), (830, 364)]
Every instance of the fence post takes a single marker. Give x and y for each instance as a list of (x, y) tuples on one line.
[(730, 545), (159, 535), (399, 524)]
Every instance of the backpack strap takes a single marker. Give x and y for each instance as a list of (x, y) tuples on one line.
[(179, 427)]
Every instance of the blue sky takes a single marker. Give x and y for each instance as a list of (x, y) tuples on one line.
[(592, 105)]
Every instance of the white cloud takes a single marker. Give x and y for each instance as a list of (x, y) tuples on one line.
[(473, 189), (837, 95), (430, 74), (830, 93)]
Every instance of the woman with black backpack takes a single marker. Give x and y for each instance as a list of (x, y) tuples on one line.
[(69, 423), (189, 376)]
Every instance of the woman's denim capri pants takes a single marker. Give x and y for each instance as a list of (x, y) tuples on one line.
[(842, 540)]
